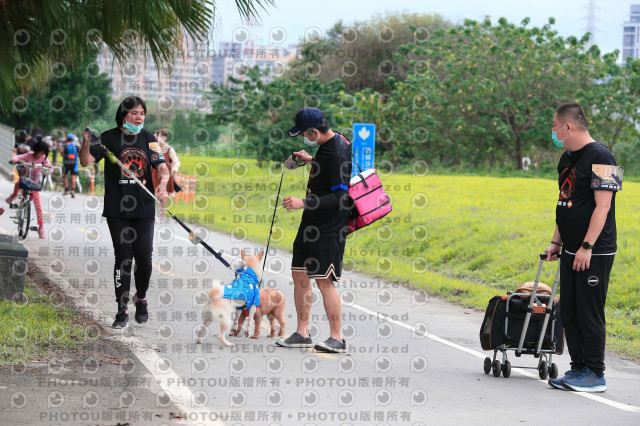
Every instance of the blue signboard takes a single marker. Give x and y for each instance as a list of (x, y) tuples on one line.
[(364, 146)]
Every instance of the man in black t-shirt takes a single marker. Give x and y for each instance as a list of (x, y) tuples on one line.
[(586, 232), (319, 245)]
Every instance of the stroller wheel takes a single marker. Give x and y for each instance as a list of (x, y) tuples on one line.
[(487, 365), (506, 369), (553, 373), (497, 368), (543, 370)]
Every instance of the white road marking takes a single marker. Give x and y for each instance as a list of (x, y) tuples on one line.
[(183, 395), (380, 316), (618, 405)]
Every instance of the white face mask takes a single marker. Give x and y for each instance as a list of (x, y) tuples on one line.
[(162, 139), (309, 142)]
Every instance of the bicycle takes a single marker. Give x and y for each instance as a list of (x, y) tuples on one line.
[(30, 180)]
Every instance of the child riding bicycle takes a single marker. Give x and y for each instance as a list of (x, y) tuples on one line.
[(37, 156)]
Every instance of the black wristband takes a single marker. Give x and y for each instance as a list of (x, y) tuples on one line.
[(558, 244)]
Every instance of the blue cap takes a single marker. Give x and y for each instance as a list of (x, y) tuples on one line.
[(305, 118), (70, 136)]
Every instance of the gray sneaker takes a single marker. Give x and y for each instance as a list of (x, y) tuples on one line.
[(332, 345), (296, 340)]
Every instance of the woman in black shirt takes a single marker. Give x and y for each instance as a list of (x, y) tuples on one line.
[(129, 210)]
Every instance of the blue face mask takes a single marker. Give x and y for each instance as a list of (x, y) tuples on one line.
[(556, 141), (132, 128)]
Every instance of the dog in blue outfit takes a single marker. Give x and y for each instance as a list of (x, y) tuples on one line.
[(242, 293)]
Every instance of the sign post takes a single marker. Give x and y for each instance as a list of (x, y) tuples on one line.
[(364, 146)]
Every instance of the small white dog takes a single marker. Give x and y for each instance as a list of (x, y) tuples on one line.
[(243, 292)]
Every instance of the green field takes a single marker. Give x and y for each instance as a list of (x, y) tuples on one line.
[(465, 238)]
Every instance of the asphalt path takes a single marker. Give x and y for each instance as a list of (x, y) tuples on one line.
[(413, 359)]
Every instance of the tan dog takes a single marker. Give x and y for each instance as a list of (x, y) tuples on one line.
[(221, 309), (272, 302)]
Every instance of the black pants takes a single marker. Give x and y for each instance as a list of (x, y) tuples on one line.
[(132, 239), (583, 295)]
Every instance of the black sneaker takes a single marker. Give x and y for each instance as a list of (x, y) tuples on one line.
[(332, 345), (295, 341), (122, 318), (142, 314)]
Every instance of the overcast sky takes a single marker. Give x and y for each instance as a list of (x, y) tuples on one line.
[(296, 16)]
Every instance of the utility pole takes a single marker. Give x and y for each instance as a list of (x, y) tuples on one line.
[(591, 19)]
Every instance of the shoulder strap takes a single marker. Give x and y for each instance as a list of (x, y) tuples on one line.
[(351, 152)]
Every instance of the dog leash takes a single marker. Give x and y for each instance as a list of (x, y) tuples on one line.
[(197, 240), (273, 218)]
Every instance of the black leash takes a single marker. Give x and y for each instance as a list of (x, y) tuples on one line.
[(275, 206), (197, 240)]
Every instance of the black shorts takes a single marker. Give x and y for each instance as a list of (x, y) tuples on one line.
[(320, 256), (67, 170)]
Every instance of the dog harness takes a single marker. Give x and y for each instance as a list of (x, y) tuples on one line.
[(245, 287)]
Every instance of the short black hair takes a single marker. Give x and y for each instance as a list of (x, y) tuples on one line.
[(21, 136), (41, 146), (573, 112), (323, 128), (127, 104)]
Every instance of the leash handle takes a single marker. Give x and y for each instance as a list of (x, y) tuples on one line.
[(273, 218)]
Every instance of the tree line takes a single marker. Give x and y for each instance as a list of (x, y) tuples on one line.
[(479, 94), (474, 95)]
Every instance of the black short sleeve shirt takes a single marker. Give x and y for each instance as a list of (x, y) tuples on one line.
[(576, 201), (123, 197), (330, 173)]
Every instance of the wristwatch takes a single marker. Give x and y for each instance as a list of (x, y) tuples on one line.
[(587, 246)]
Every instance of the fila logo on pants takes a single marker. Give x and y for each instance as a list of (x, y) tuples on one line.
[(118, 278), (593, 281)]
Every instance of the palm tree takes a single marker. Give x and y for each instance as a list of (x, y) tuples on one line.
[(36, 34)]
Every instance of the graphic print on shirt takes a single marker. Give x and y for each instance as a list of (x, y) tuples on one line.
[(135, 160), (568, 185)]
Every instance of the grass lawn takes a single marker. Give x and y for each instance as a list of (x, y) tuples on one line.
[(38, 327), (465, 238)]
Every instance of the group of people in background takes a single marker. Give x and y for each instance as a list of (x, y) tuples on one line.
[(33, 146)]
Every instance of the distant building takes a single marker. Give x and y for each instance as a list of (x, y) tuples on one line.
[(177, 85), (631, 34)]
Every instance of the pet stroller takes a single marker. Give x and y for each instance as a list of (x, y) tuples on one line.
[(526, 322)]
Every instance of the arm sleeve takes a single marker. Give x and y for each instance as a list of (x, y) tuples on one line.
[(605, 158), (20, 157), (339, 177)]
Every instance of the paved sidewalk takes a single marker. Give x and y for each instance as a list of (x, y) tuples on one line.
[(104, 383)]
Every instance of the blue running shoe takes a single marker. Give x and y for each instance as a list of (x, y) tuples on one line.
[(588, 381), (557, 382)]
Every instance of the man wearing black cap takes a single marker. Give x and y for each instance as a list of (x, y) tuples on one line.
[(319, 244)]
